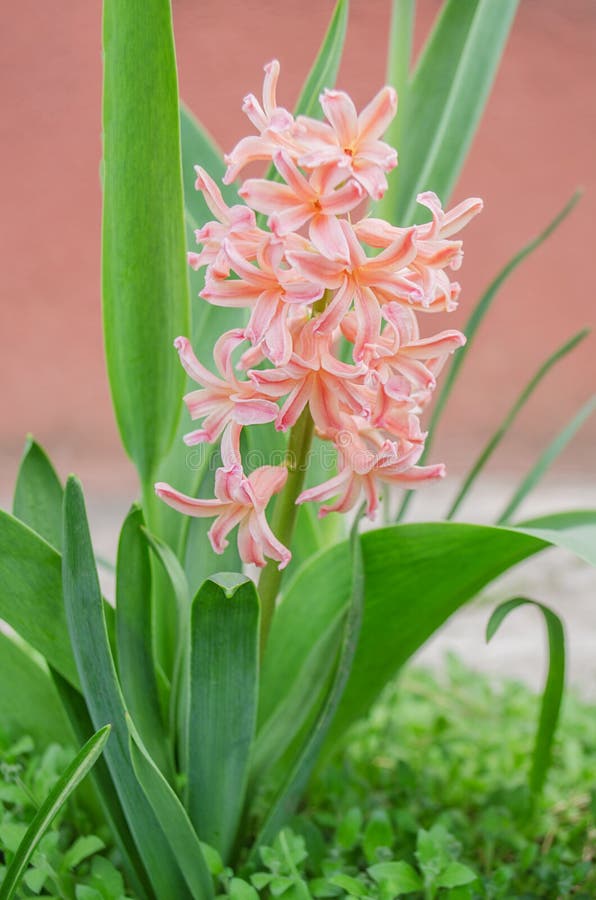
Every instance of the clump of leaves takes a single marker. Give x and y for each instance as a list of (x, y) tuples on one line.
[(73, 859)]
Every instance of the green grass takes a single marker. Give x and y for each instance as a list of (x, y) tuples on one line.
[(428, 798)]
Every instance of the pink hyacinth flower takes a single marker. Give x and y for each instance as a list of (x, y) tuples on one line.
[(238, 501)]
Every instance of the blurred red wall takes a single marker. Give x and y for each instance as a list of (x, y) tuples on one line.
[(535, 146)]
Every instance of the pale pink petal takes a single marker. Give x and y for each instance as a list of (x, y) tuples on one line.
[(249, 273), (212, 195), (270, 545), (278, 340), (249, 548), (262, 315), (254, 412), (222, 526), (374, 119), (315, 267), (341, 112), (233, 293), (267, 196), (267, 481), (192, 366), (327, 489), (282, 223), (437, 345), (458, 217), (372, 179), (191, 506), (331, 317), (326, 234), (297, 400), (343, 200), (293, 176)]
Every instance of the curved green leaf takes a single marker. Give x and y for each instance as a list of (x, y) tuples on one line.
[(553, 689), (57, 797), (546, 459), (145, 287), (224, 635), (100, 687), (509, 419), (432, 568), (326, 65), (31, 594), (179, 832), (134, 639), (38, 494)]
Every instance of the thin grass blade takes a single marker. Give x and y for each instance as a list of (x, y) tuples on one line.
[(472, 326), (546, 459), (552, 696), (68, 781), (502, 430)]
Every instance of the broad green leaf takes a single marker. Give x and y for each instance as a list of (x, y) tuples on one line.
[(573, 531), (135, 639), (31, 594), (68, 781), (454, 875), (553, 689), (399, 52), (473, 324), (408, 568), (326, 65), (88, 635), (446, 98), (38, 494), (104, 796), (509, 419), (297, 777), (200, 149), (223, 703), (180, 834), (145, 286), (398, 877), (546, 459), (30, 705)]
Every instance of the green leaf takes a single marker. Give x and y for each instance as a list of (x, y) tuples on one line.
[(546, 459), (299, 772), (553, 689), (88, 635), (134, 639), (507, 422), (31, 593), (326, 65), (352, 886), (31, 706), (455, 875), (223, 701), (473, 324), (38, 494), (145, 287), (200, 149), (399, 54), (104, 791), (399, 877), (57, 797), (377, 834), (406, 568), (84, 847), (446, 98), (172, 816)]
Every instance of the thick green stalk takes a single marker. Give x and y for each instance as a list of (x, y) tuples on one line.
[(284, 515)]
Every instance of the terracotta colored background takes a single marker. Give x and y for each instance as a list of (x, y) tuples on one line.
[(536, 145)]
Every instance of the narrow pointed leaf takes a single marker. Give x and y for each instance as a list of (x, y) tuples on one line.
[(38, 494), (509, 419), (88, 635), (145, 287), (447, 96), (31, 594), (223, 702), (104, 792), (200, 149), (287, 798), (180, 834), (68, 781), (29, 703), (326, 65), (545, 460), (573, 531), (552, 696), (135, 641), (473, 324)]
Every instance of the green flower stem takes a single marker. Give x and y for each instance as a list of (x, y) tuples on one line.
[(284, 515)]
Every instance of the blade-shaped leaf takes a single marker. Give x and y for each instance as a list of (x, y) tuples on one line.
[(31, 594), (68, 781), (546, 459), (509, 419), (180, 834), (88, 635), (38, 494), (399, 52), (473, 324), (29, 703), (326, 65), (288, 796), (223, 702), (408, 568), (145, 287), (104, 791), (446, 97), (552, 696), (135, 641)]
